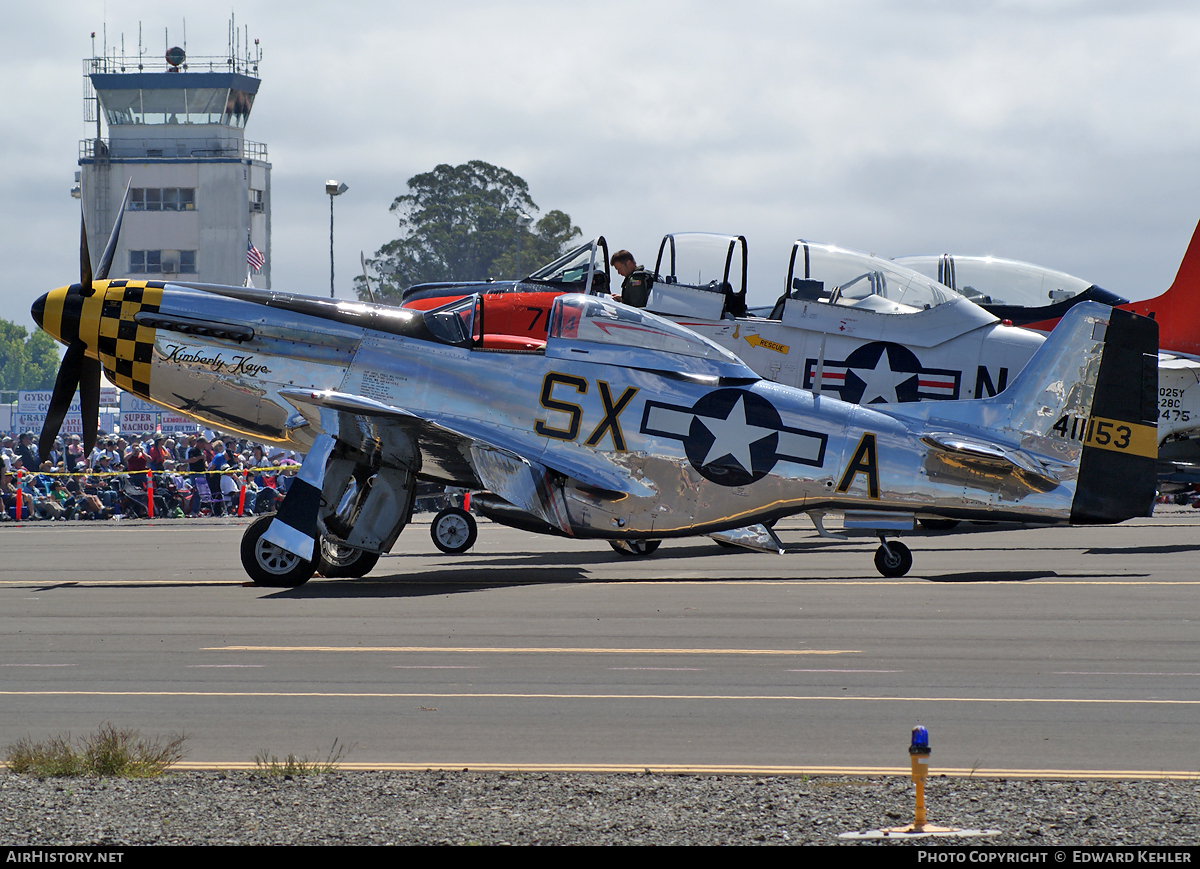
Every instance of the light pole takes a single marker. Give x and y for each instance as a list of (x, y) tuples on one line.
[(523, 220), (333, 188)]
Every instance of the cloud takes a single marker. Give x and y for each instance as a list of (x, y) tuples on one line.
[(1057, 132)]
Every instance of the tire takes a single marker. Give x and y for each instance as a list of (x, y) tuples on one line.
[(898, 563), (267, 564), (453, 530), (336, 561), (937, 524), (634, 548)]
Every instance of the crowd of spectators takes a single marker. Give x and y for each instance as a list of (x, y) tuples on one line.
[(189, 474)]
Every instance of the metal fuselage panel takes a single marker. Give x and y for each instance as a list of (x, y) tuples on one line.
[(710, 457), (234, 385), (868, 363), (688, 454)]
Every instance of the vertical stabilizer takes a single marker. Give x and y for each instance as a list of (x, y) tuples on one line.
[(1177, 311), (1087, 398), (1117, 474)]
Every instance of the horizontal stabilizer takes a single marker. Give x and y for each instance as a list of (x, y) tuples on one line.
[(985, 453)]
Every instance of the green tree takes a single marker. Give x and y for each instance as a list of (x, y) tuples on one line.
[(26, 364), (460, 224)]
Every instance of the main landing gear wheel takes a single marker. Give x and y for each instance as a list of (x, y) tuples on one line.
[(453, 530), (893, 560), (269, 565), (336, 561), (634, 548)]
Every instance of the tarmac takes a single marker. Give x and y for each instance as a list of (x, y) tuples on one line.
[(1051, 653)]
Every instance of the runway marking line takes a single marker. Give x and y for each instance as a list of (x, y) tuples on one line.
[(730, 769), (798, 580), (499, 695), (487, 650)]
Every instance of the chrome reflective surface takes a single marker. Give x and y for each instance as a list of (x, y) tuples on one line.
[(670, 437)]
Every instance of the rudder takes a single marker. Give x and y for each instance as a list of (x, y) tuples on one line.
[(1117, 476)]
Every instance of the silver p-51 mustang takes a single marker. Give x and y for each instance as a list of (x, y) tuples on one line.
[(624, 426)]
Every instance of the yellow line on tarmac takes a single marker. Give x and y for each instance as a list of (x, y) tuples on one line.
[(730, 769), (486, 650), (929, 581), (798, 581), (500, 695), (182, 579)]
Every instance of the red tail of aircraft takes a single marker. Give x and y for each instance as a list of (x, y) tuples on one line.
[(1178, 309)]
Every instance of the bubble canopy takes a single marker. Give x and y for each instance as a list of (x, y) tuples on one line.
[(992, 280), (598, 320), (827, 273), (147, 98)]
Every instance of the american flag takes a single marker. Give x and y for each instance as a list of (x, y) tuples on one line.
[(254, 257)]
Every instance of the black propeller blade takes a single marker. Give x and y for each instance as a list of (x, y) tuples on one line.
[(85, 256), (89, 401), (110, 249), (60, 401), (78, 371)]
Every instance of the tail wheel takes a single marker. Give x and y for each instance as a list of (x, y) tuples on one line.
[(335, 560), (893, 560), (453, 530), (634, 548), (268, 564)]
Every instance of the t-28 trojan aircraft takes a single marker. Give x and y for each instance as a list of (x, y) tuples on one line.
[(1037, 297), (624, 426)]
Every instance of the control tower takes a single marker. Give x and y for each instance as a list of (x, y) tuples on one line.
[(201, 191)]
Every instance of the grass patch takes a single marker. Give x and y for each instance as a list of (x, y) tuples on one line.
[(269, 764), (113, 752)]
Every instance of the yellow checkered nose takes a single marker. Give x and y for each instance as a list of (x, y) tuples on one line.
[(126, 347), (106, 323)]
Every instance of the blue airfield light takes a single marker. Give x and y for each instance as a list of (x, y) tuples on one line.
[(920, 741)]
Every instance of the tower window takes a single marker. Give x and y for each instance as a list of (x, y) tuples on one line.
[(162, 262), (162, 199)]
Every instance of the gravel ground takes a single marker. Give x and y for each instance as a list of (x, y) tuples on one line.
[(541, 808)]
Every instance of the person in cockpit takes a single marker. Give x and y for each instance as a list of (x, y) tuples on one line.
[(635, 288)]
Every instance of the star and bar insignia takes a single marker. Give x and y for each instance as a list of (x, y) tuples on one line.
[(883, 372), (733, 437)]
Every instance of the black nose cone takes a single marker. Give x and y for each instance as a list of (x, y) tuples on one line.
[(39, 309)]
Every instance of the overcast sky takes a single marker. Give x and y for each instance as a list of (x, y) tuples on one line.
[(1064, 133)]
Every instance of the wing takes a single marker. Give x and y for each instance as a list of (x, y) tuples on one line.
[(466, 452)]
